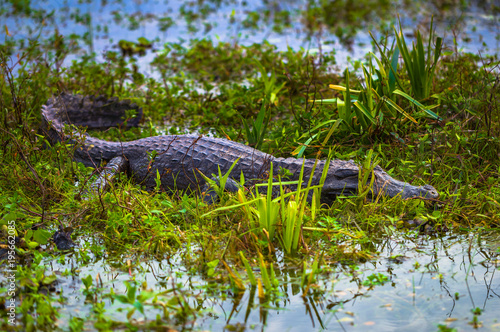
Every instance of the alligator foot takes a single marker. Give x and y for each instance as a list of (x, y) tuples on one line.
[(106, 177)]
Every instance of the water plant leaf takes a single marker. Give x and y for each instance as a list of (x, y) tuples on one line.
[(299, 151), (393, 69), (419, 69), (47, 280), (248, 268), (399, 109), (419, 105), (365, 112), (263, 270), (325, 101), (390, 63), (262, 294), (42, 236), (138, 305), (238, 283), (342, 88)]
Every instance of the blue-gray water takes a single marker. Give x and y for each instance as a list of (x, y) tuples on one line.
[(474, 28), (431, 281)]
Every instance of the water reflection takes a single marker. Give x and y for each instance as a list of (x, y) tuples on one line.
[(431, 281), (340, 26)]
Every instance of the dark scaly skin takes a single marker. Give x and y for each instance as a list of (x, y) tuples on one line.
[(180, 158)]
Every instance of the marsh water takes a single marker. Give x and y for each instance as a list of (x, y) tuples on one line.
[(414, 281), (449, 280), (340, 27)]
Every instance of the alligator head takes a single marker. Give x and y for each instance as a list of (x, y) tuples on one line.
[(343, 180)]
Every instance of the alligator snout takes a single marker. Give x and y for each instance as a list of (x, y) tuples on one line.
[(429, 191)]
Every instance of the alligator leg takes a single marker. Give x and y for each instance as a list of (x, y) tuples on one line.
[(106, 177)]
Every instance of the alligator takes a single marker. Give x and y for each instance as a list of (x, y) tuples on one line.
[(179, 160)]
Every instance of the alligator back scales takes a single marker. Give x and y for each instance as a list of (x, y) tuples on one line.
[(179, 159)]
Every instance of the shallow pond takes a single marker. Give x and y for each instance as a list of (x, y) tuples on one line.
[(331, 26), (414, 283)]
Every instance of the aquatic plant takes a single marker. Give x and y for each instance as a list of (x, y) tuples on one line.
[(374, 106)]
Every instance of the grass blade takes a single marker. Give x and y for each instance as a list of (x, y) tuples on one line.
[(419, 105), (249, 270), (399, 109)]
